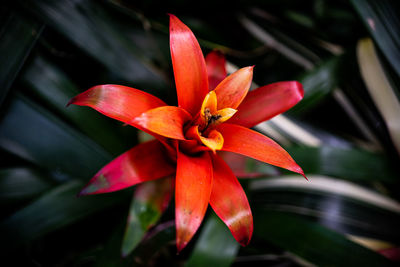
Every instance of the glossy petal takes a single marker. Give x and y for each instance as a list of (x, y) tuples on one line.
[(149, 202), (116, 101), (144, 162), (189, 66), (230, 203), (214, 140), (216, 70), (166, 121), (193, 189), (252, 144), (233, 89), (266, 102)]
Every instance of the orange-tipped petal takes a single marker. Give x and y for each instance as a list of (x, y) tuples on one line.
[(213, 141), (223, 115), (189, 66), (252, 144), (144, 162), (216, 69), (193, 189), (166, 121), (116, 101), (233, 89), (268, 101), (230, 203)]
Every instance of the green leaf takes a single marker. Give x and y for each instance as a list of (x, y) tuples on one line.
[(21, 183), (157, 239), (18, 36), (100, 33), (380, 88), (54, 210), (318, 83), (313, 242), (215, 246), (339, 205), (346, 163), (53, 86), (382, 21), (149, 202), (34, 134)]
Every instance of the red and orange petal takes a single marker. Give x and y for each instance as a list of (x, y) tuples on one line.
[(167, 121), (252, 144), (193, 188), (215, 62), (268, 101), (144, 162), (230, 203), (118, 102), (189, 66), (233, 89)]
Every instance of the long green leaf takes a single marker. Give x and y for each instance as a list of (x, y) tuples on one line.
[(215, 246), (313, 242), (380, 89), (319, 83), (21, 183), (95, 30), (149, 202), (339, 205), (346, 163), (383, 23), (53, 86), (17, 37), (54, 210), (37, 136)]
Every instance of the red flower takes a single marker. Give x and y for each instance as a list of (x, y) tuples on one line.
[(188, 136)]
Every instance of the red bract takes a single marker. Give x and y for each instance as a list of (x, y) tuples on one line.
[(188, 136)]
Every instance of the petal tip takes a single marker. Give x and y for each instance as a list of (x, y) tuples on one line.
[(70, 102), (180, 246)]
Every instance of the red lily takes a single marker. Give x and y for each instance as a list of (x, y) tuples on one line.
[(188, 136)]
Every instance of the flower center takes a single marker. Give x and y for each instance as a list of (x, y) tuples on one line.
[(203, 126)]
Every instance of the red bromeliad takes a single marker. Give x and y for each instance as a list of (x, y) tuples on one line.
[(188, 136)]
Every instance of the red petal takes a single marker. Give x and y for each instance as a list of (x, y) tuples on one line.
[(216, 70), (118, 102), (144, 162), (189, 66), (252, 144), (193, 189), (266, 102), (167, 121), (233, 89), (230, 203)]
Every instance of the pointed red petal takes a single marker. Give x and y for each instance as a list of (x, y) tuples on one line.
[(252, 144), (167, 121), (216, 70), (193, 189), (116, 101), (230, 203), (266, 102), (233, 89), (189, 66), (144, 162)]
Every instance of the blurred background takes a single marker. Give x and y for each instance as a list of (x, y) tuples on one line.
[(345, 133)]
